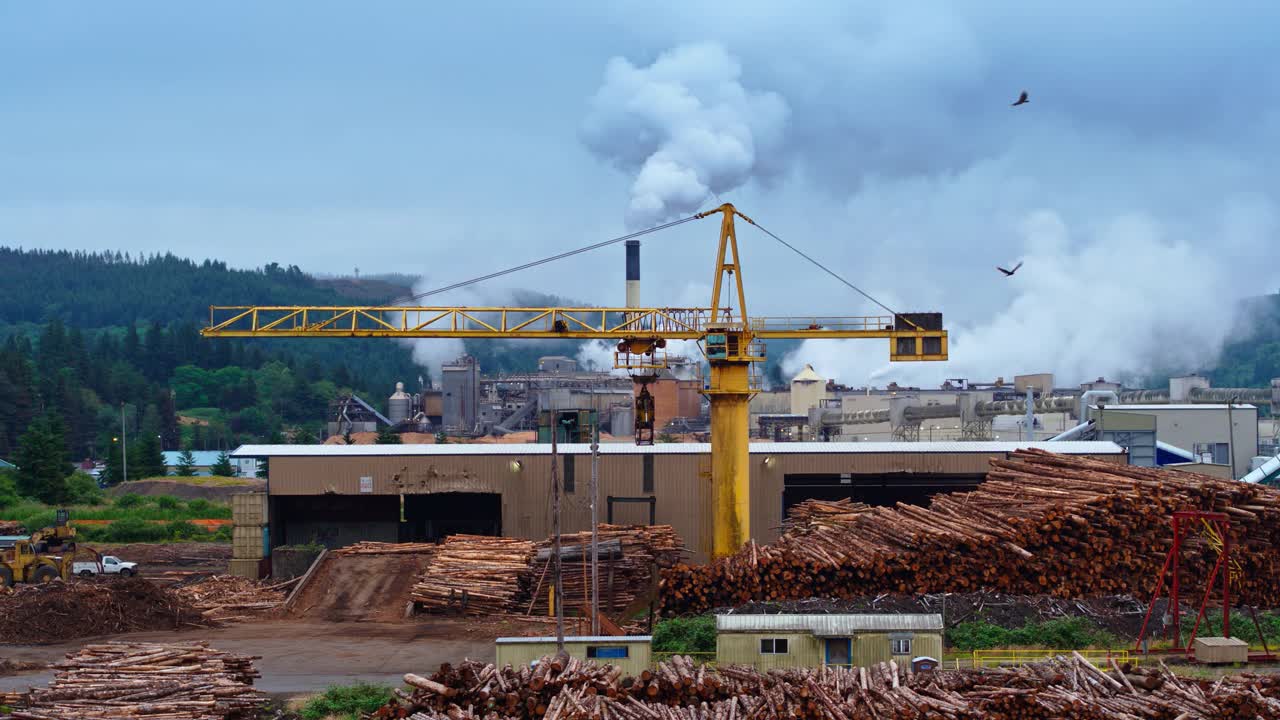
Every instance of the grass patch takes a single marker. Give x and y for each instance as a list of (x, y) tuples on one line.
[(685, 635), (346, 702), (1058, 634), (134, 518)]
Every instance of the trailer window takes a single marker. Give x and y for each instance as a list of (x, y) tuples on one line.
[(773, 646), (611, 652)]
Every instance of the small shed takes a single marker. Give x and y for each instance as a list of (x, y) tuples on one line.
[(793, 640), (1215, 650), (632, 653)]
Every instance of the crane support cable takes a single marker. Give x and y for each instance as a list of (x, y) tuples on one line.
[(825, 269), (552, 258)]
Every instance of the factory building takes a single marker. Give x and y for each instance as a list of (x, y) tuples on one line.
[(340, 494), (1217, 434)]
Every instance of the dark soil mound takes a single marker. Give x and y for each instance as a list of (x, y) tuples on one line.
[(59, 611)]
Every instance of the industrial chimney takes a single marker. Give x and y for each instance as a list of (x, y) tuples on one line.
[(633, 273)]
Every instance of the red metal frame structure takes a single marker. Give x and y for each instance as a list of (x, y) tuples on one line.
[(1183, 521)]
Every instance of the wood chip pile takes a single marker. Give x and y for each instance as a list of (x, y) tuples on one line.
[(148, 682), (1040, 523), (562, 688), (629, 556), (59, 611), (229, 598), (494, 572)]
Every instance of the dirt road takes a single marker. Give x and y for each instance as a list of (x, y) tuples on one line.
[(305, 656)]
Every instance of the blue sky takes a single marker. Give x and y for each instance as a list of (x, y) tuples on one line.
[(447, 140)]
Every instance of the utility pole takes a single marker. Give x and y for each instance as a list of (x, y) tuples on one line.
[(555, 531), (1231, 435), (124, 448), (595, 529)]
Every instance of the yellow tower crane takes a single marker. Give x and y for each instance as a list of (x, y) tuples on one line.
[(730, 339)]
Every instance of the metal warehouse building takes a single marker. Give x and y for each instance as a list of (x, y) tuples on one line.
[(340, 494)]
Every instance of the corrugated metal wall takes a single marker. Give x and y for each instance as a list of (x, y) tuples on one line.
[(523, 653), (804, 650), (682, 485), (872, 648)]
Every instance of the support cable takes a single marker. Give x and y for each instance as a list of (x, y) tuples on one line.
[(552, 258)]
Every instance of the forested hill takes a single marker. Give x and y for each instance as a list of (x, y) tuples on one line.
[(90, 290), (1252, 357)]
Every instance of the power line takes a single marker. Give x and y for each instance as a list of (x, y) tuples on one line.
[(823, 268), (552, 258)]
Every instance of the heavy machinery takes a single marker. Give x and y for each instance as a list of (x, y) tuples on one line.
[(46, 556), (730, 339)]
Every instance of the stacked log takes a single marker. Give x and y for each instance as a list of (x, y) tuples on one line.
[(569, 689), (493, 572), (629, 557), (63, 611), (146, 680), (1039, 524), (228, 598), (370, 547)]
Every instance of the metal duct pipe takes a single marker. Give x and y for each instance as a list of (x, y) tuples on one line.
[(1054, 404), (1215, 396), (1087, 397)]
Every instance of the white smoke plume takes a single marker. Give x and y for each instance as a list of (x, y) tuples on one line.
[(1121, 301), (686, 126)]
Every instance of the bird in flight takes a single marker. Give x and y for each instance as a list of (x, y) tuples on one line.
[(1022, 99), (1009, 273)]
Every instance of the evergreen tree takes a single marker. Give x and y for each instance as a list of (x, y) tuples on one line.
[(42, 461), (186, 464), (263, 469), (304, 436), (387, 436), (223, 468), (146, 460), (113, 473)]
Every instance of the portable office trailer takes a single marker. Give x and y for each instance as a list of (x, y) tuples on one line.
[(786, 640), (630, 652)]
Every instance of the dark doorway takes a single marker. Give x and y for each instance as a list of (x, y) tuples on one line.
[(885, 489), (334, 520), (430, 518)]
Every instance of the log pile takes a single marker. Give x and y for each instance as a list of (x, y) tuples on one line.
[(1039, 524), (58, 611), (493, 571), (146, 681), (228, 598), (371, 547), (11, 527), (629, 556), (562, 688)]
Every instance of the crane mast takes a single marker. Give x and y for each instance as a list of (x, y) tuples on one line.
[(730, 339)]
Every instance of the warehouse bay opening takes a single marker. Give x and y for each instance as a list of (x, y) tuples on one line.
[(432, 517), (886, 489)]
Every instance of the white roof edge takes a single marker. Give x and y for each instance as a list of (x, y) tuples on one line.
[(1074, 447), (575, 638)]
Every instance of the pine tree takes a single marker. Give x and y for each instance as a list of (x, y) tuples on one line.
[(186, 464), (387, 436), (146, 460), (222, 468), (42, 460)]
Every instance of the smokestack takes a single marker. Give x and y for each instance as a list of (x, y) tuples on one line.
[(633, 273)]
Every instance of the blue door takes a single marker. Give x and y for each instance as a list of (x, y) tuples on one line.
[(838, 651)]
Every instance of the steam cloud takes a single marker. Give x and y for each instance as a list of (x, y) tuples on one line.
[(686, 126)]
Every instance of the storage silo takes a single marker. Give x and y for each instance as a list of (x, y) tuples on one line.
[(399, 405)]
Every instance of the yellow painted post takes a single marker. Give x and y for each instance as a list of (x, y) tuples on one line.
[(730, 396), (551, 591)]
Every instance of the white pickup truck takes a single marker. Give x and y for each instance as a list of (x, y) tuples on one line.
[(111, 565)]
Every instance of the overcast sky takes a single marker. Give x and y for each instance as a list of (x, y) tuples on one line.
[(1139, 186)]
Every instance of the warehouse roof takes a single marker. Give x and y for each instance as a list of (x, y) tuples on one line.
[(574, 638), (763, 448), (1180, 407), (830, 625)]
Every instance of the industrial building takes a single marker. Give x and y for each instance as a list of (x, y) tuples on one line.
[(340, 494), (793, 640)]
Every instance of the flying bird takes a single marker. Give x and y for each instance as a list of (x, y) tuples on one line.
[(1022, 99), (1009, 273)]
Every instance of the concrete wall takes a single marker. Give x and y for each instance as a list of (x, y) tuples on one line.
[(639, 652)]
